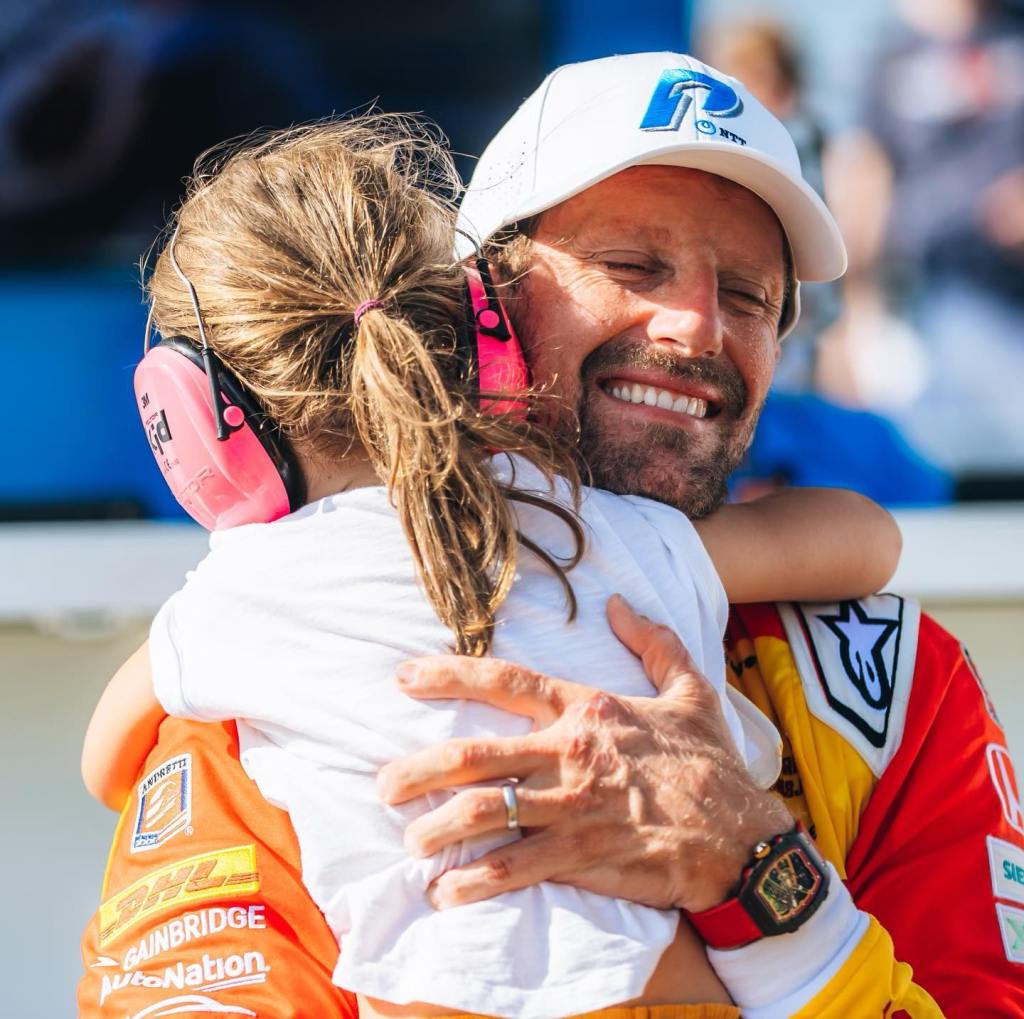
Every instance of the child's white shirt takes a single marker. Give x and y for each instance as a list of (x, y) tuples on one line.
[(296, 628)]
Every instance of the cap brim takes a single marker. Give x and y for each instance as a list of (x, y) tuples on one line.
[(819, 253)]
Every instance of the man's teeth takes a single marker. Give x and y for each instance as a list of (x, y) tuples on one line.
[(635, 393)]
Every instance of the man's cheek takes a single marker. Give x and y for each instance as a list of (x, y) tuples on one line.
[(546, 357), (760, 371)]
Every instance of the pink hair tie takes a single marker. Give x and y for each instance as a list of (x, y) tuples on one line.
[(366, 306)]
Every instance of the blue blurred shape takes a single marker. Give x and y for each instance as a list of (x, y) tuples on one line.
[(71, 340), (803, 439), (586, 29)]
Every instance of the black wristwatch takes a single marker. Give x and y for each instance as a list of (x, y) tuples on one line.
[(780, 890)]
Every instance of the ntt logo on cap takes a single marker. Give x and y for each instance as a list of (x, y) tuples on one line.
[(673, 97)]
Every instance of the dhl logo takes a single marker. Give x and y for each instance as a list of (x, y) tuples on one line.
[(178, 884)]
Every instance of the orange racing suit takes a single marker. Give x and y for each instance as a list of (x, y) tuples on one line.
[(892, 756)]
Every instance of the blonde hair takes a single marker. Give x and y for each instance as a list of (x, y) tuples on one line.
[(283, 237)]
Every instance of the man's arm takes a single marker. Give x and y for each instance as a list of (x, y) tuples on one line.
[(635, 797), (203, 907), (935, 861), (939, 854), (856, 969), (642, 798), (890, 768)]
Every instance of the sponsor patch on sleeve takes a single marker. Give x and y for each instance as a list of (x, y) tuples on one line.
[(1011, 926), (223, 873), (164, 804), (856, 660), (1006, 862), (210, 973)]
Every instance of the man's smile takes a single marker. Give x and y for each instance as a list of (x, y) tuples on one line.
[(657, 387), (678, 399)]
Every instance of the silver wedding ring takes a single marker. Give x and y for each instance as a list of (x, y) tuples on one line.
[(508, 794)]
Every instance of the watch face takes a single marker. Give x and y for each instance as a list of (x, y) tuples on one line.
[(789, 884)]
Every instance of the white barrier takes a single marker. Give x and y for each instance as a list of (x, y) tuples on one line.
[(125, 569)]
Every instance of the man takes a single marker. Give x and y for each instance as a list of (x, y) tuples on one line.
[(653, 222)]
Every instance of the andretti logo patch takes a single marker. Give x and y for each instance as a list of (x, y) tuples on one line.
[(164, 804)]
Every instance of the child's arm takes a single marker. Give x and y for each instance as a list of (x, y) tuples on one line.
[(802, 544), (122, 731)]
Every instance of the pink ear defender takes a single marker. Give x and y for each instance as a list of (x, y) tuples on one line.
[(226, 461), (496, 356), (248, 477)]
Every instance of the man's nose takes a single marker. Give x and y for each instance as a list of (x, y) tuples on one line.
[(689, 317)]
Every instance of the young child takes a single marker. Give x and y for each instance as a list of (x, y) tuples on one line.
[(321, 262)]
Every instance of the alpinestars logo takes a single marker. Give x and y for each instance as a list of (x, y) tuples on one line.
[(856, 654), (867, 644), (856, 660), (862, 642)]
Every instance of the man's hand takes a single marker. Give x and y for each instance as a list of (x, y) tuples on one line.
[(641, 798)]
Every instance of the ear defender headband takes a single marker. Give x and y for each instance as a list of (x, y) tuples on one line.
[(226, 461)]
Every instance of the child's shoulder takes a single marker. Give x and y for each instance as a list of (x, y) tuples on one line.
[(326, 539), (641, 511), (636, 524), (520, 474), (341, 511), (657, 536)]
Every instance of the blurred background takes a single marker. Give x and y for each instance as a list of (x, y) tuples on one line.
[(901, 381)]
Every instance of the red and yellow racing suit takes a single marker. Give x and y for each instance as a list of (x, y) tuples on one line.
[(892, 756)]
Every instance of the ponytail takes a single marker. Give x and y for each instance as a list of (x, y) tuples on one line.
[(429, 443), (288, 238)]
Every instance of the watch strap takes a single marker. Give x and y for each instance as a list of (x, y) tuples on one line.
[(780, 889), (728, 925)]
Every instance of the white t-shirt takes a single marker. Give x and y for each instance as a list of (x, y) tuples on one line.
[(296, 629)]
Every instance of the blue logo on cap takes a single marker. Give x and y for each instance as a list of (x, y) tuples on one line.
[(673, 96)]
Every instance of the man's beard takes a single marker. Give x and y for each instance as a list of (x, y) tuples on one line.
[(662, 462)]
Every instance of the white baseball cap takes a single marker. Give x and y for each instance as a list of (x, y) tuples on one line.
[(590, 120)]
